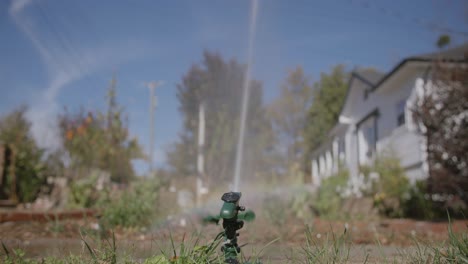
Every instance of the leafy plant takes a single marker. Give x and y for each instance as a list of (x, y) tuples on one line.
[(439, 115), (392, 186), (97, 140), (83, 193), (394, 196), (276, 209), (329, 197), (134, 207), (420, 205), (301, 205), (29, 167)]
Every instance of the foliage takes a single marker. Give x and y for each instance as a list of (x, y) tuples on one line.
[(288, 114), (134, 207), (83, 192), (329, 197), (419, 204), (30, 168), (328, 98), (17, 256), (301, 205), (217, 84), (296, 204), (443, 41), (391, 190), (276, 209), (392, 186), (440, 114), (394, 196), (100, 140)]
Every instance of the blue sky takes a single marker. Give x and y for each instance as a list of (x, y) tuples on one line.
[(63, 53)]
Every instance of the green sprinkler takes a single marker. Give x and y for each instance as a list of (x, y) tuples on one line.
[(233, 217)]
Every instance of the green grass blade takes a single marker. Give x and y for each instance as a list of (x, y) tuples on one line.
[(7, 252)]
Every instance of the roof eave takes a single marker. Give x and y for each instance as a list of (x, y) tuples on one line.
[(413, 59)]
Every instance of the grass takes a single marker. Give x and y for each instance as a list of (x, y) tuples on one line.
[(317, 248), (454, 251), (333, 249)]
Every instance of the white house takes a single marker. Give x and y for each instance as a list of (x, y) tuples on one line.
[(376, 116)]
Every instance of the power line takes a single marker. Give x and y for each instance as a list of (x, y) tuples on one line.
[(430, 25), (337, 16), (62, 39)]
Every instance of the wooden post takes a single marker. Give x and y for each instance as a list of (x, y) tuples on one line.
[(12, 174), (2, 162)]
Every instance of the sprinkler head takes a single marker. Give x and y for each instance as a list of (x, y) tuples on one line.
[(233, 216), (231, 208)]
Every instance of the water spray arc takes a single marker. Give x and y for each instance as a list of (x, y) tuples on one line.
[(245, 95), (232, 214), (153, 102)]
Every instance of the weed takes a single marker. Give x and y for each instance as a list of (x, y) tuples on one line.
[(276, 209), (329, 198), (456, 251), (56, 225), (334, 249), (189, 253), (16, 256), (135, 207)]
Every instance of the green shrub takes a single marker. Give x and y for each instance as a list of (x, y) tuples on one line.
[(30, 170), (419, 205), (301, 205), (100, 140), (276, 209), (134, 207), (83, 192), (390, 190), (394, 196), (329, 197)]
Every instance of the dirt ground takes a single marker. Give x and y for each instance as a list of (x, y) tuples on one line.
[(376, 240)]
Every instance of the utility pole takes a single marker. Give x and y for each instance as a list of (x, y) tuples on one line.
[(200, 157), (153, 101)]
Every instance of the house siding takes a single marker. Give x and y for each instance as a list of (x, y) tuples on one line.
[(379, 109)]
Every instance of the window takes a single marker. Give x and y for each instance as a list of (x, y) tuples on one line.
[(341, 148), (367, 137), (371, 140), (401, 112)]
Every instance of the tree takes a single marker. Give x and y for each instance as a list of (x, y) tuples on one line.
[(328, 98), (97, 140), (217, 84), (289, 114), (30, 169), (441, 114)]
